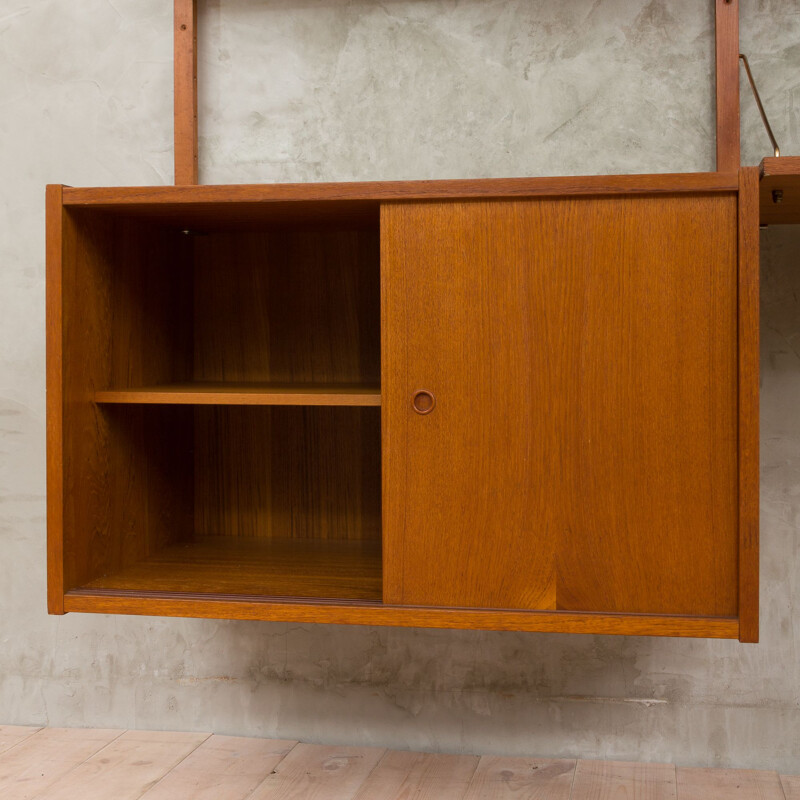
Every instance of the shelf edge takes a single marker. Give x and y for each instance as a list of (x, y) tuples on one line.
[(234, 398), (382, 191), (337, 612)]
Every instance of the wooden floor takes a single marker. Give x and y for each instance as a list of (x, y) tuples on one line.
[(75, 764)]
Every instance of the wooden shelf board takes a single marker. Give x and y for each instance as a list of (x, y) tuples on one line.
[(366, 612), (246, 394), (235, 207), (226, 565), (780, 175)]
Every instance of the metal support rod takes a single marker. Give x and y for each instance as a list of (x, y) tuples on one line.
[(761, 111)]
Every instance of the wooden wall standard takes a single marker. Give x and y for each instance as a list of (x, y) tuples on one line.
[(728, 156), (185, 58)]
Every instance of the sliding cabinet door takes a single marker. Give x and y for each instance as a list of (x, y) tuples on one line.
[(560, 404)]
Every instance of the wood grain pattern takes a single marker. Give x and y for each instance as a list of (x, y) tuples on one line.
[(791, 786), (499, 778), (85, 360), (779, 191), (783, 166), (287, 472), (127, 767), (55, 402), (468, 521), (727, 85), (149, 337), (130, 489), (610, 780), (185, 89), (124, 487), (287, 306), (221, 768), (318, 772), (104, 764), (728, 784), (748, 327), (267, 567), (141, 305), (533, 311), (259, 608), (246, 394), (12, 735), (157, 200), (297, 305), (423, 776), (42, 760), (651, 491)]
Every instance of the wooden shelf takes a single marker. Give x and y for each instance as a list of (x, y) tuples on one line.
[(227, 565), (779, 191), (357, 204), (246, 394)]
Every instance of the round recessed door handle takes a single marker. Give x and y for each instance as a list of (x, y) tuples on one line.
[(423, 402)]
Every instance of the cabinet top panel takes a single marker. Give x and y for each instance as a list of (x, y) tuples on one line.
[(359, 202)]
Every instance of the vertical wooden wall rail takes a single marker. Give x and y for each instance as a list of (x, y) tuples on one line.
[(727, 66), (185, 57)]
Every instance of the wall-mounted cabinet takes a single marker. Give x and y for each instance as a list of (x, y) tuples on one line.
[(515, 404)]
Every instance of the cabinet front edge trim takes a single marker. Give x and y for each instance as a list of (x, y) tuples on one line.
[(376, 191), (353, 613)]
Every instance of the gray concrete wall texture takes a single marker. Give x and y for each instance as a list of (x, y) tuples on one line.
[(307, 90)]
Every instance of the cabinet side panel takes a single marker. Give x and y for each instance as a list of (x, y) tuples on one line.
[(653, 478), (749, 259), (126, 491), (87, 319), (55, 399)]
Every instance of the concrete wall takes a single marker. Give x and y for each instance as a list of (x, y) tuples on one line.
[(361, 89)]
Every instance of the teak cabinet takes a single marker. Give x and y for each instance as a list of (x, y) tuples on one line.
[(514, 404)]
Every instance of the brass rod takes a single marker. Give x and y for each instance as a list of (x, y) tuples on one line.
[(761, 111)]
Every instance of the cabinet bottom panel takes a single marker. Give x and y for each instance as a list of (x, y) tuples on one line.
[(225, 565), (337, 612)]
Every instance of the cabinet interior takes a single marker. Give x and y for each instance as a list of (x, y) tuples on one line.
[(222, 381)]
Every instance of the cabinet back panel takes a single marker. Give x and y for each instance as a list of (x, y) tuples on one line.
[(151, 321), (287, 305), (582, 451), (288, 472)]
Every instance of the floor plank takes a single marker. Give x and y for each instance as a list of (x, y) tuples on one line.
[(628, 780), (423, 776), (791, 786), (318, 772), (65, 764), (500, 778), (728, 784), (126, 768), (222, 768), (12, 735), (40, 760)]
